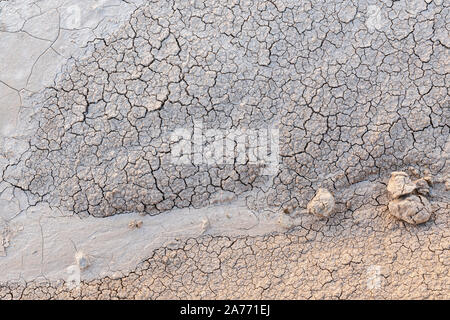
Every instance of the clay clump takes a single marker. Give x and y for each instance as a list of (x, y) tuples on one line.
[(408, 199), (400, 185), (322, 204), (412, 209)]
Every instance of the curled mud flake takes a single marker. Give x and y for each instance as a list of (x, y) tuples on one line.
[(400, 185), (322, 204), (411, 209)]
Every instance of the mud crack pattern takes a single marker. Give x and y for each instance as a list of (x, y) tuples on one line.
[(351, 102), (357, 90)]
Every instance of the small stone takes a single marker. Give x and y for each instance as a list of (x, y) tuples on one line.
[(411, 209), (134, 224), (289, 209), (322, 204), (400, 184), (348, 204)]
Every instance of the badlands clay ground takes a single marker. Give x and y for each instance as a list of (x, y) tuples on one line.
[(334, 117)]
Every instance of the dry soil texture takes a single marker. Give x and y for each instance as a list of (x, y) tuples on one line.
[(114, 116)]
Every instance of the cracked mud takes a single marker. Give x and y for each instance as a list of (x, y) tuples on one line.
[(357, 90)]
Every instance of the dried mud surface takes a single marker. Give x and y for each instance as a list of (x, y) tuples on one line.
[(357, 90)]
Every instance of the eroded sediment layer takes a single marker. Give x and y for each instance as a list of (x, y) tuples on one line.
[(361, 256)]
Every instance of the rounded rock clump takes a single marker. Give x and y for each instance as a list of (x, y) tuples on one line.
[(400, 184), (412, 209), (322, 204), (408, 201)]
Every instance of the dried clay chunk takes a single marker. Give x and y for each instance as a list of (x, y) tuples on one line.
[(412, 209), (400, 184), (322, 204)]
